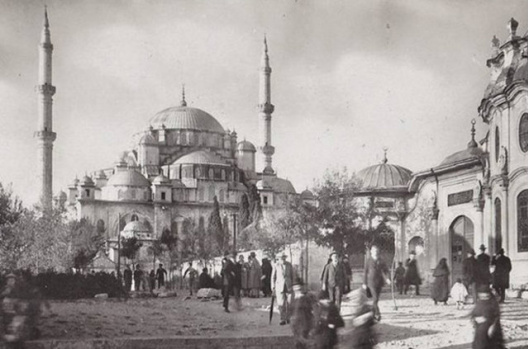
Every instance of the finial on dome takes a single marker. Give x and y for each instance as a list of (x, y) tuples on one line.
[(472, 143), (495, 42), (512, 27), (384, 160), (46, 22), (265, 44), (183, 103)]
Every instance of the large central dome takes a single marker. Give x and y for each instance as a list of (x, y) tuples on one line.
[(186, 118)]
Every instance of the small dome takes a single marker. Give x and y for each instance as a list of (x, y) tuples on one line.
[(86, 182), (384, 176), (147, 139), (74, 183), (186, 118), (128, 178), (276, 184), (307, 195), (62, 196), (135, 229), (101, 175), (200, 157), (246, 146), (161, 180)]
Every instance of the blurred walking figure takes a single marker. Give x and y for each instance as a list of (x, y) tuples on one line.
[(399, 276), (459, 293), (161, 273), (412, 275), (440, 287), (192, 276), (302, 320), (152, 280), (138, 277), (501, 275), (362, 335), (267, 270), (469, 269), (334, 279), (228, 280), (375, 276), (282, 282), (348, 273), (327, 322), (486, 319), (255, 275), (205, 280), (127, 276), (243, 268)]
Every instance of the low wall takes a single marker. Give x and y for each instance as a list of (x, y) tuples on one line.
[(268, 342)]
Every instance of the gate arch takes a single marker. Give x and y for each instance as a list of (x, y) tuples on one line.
[(462, 236)]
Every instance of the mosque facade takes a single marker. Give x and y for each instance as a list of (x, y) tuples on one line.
[(476, 196)]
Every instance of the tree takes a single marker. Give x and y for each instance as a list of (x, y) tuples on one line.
[(129, 247), (244, 212), (87, 241), (205, 246), (10, 206), (215, 229), (255, 207)]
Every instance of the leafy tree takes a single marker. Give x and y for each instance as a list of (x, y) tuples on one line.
[(189, 240), (10, 206), (215, 229), (87, 241), (129, 247), (244, 214), (205, 246), (255, 207)]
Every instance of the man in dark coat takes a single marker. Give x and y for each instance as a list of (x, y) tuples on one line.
[(469, 268), (205, 280), (267, 270), (348, 273), (127, 275), (501, 275), (375, 276), (486, 319), (399, 277), (483, 275), (160, 275), (412, 276), (138, 276), (334, 279), (228, 280)]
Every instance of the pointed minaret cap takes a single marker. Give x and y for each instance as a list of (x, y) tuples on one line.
[(264, 62), (472, 143), (46, 21), (45, 37), (183, 103)]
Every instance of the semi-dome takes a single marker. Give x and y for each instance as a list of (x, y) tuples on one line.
[(161, 180), (276, 184), (246, 146), (147, 139), (135, 229), (87, 182), (128, 178), (200, 157), (384, 176), (186, 118)]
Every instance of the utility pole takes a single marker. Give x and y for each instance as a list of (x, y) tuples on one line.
[(234, 232), (118, 248)]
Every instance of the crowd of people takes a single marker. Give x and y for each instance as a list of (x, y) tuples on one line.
[(143, 281)]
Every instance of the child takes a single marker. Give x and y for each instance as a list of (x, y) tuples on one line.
[(362, 335), (486, 319), (459, 293)]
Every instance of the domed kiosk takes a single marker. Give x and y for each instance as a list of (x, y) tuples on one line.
[(384, 178)]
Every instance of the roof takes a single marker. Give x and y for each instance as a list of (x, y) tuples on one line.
[(463, 155), (186, 118), (307, 195), (201, 157), (276, 184), (87, 182), (147, 139), (161, 180), (384, 176), (128, 178), (246, 146)]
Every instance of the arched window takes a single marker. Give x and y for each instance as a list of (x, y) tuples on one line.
[(134, 218), (522, 220), (211, 174), (211, 193), (523, 133), (498, 224), (100, 226), (222, 194), (497, 144), (201, 194)]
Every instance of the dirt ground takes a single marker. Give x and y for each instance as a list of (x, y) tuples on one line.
[(417, 323)]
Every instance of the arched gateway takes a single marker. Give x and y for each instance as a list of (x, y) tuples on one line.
[(462, 241)]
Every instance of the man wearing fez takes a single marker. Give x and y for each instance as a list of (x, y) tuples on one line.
[(469, 270), (501, 275), (334, 280), (483, 275), (228, 279), (282, 281)]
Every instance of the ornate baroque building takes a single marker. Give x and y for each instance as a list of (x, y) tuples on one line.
[(478, 195)]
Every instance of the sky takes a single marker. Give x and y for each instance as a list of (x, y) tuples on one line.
[(349, 78)]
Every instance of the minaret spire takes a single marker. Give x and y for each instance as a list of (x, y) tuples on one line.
[(44, 134), (265, 108), (183, 103)]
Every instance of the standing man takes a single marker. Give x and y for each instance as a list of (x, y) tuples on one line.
[(483, 275), (160, 275), (138, 277), (282, 281), (348, 273), (192, 276), (469, 269), (501, 280), (376, 275), (412, 275), (228, 279), (334, 279), (127, 275)]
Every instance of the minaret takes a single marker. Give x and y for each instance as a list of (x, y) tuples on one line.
[(44, 134), (265, 108)]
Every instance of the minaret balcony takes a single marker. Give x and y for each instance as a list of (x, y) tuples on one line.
[(267, 149), (46, 89), (46, 135), (266, 108)]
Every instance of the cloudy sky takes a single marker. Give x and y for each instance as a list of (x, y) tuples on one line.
[(349, 77)]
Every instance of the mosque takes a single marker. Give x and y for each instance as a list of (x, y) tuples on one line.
[(180, 163), (476, 196), (185, 158)]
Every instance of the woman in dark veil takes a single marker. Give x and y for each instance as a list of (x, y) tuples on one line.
[(440, 288)]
